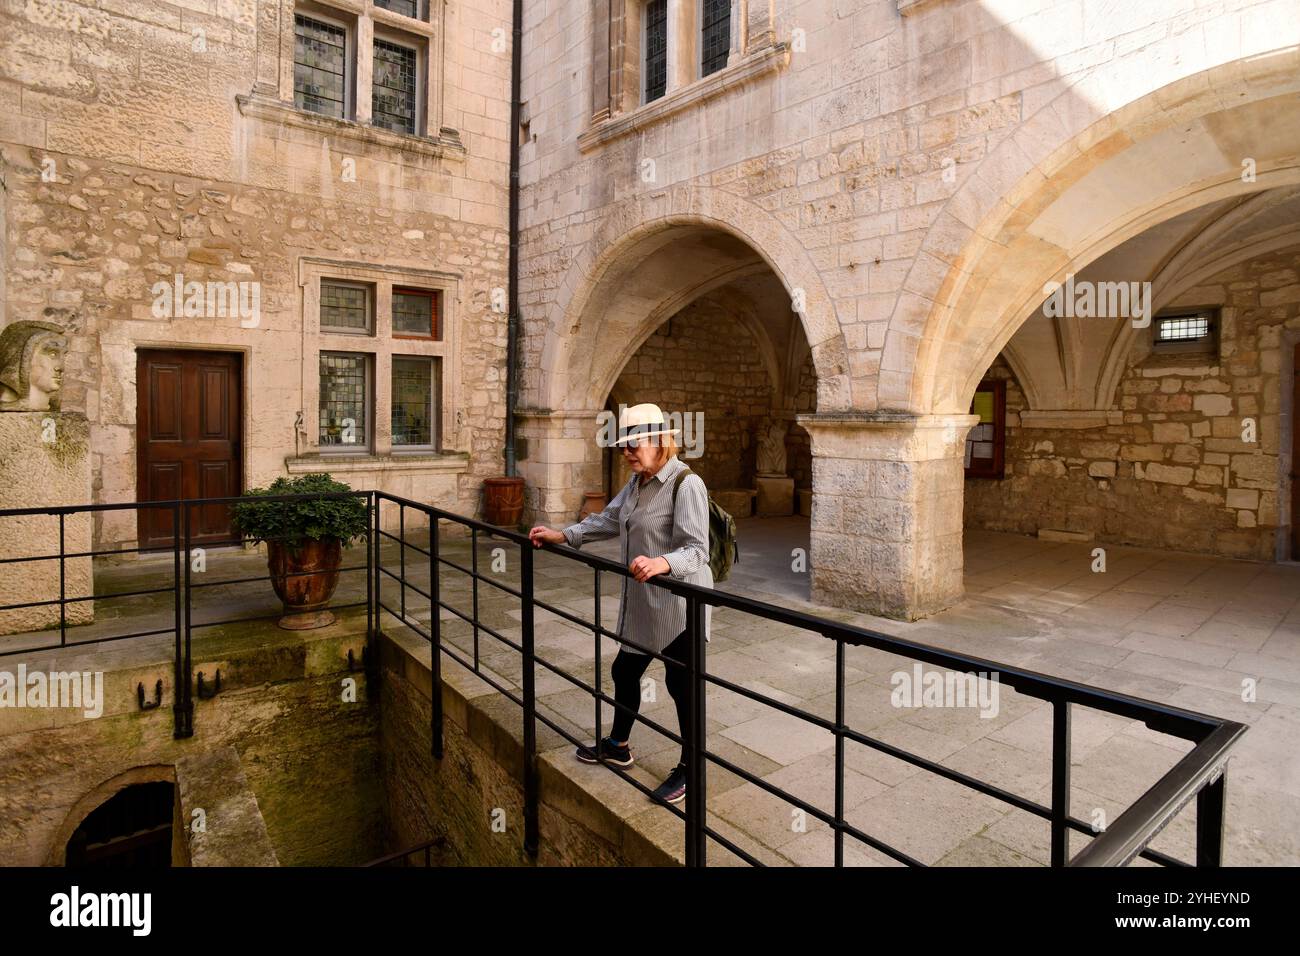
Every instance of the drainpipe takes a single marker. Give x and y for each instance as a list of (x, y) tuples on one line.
[(512, 292)]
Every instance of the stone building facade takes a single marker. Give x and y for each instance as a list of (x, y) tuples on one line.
[(154, 150), (879, 192), (915, 176)]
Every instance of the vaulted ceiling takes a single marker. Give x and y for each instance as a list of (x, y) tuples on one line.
[(1071, 363)]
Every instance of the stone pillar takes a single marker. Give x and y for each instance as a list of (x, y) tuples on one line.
[(559, 459), (44, 462), (887, 511), (601, 42), (683, 67)]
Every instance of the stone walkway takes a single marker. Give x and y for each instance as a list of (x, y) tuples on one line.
[(1180, 629)]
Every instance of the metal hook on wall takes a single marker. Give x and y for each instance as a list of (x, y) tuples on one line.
[(205, 694), (157, 695)]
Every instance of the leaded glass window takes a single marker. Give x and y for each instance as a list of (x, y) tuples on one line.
[(393, 98), (319, 71), (413, 407), (656, 49), (414, 312), (716, 38), (407, 8), (344, 307), (344, 410)]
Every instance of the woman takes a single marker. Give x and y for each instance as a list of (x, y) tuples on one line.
[(657, 538)]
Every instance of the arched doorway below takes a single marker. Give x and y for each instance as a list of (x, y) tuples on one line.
[(133, 828)]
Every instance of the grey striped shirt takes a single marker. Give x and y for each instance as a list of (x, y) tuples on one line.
[(650, 616)]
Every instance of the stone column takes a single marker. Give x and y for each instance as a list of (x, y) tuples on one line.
[(682, 44), (887, 511), (44, 462), (559, 459)]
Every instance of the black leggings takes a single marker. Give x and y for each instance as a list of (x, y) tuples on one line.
[(629, 667)]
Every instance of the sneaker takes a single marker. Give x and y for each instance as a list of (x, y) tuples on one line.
[(673, 790), (618, 754)]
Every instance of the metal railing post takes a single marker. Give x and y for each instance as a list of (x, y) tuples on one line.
[(377, 563), (63, 582), (839, 751), (178, 673), (435, 635), (401, 555), (596, 618), (1060, 781), (1210, 805), (530, 700), (372, 612), (694, 737), (186, 715)]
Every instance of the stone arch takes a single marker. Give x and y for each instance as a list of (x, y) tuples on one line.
[(96, 797), (632, 232), (1056, 198)]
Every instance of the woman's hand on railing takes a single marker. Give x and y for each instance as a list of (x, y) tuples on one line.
[(643, 568), (540, 535)]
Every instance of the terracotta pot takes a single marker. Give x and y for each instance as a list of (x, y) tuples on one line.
[(503, 501), (305, 594), (594, 502)]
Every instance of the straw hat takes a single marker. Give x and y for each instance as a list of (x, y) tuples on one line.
[(642, 421)]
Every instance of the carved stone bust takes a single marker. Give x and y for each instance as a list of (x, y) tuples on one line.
[(771, 449), (31, 366)]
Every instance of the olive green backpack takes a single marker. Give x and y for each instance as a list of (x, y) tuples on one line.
[(723, 550)]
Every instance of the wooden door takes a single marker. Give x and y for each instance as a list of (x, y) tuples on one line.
[(188, 440), (1295, 457)]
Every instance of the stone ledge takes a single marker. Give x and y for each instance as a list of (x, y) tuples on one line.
[(1065, 418), (748, 68), (248, 653), (260, 107), (234, 832), (453, 464)]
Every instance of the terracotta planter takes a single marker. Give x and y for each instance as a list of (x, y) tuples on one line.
[(593, 503), (305, 594), (503, 501)]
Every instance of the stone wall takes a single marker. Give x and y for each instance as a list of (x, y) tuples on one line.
[(308, 757), (134, 153), (1173, 471), (470, 802)]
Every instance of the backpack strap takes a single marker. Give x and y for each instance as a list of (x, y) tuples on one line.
[(677, 483)]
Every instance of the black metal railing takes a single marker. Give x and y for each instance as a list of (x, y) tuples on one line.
[(182, 588), (1198, 775)]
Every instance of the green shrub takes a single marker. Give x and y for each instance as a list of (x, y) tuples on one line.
[(293, 522)]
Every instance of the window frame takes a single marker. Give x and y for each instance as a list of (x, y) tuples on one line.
[(369, 329), (435, 331), (368, 405), (1207, 344), (644, 71), (700, 38), (435, 405), (417, 46), (383, 345), (366, 20), (334, 18), (421, 11)]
